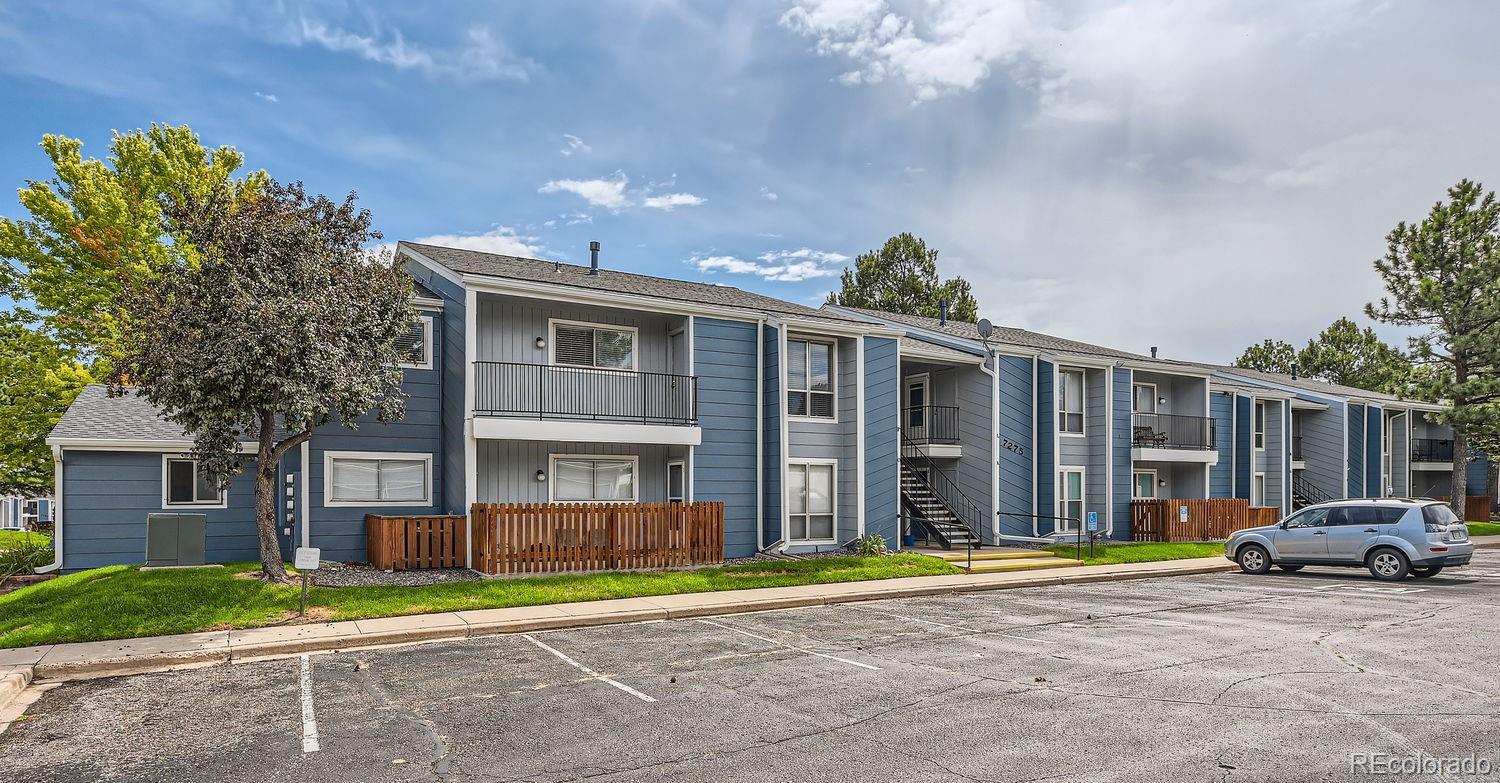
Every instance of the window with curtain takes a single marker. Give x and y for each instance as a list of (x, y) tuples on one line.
[(810, 501), (189, 485), (1070, 498), (1070, 406), (809, 379), (584, 345), (415, 344), (369, 479), (593, 479), (1145, 398), (1145, 485)]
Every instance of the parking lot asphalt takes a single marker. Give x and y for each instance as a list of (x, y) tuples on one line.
[(1218, 677)]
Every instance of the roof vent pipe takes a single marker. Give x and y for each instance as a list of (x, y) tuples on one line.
[(1153, 352), (594, 257), (1294, 370), (942, 312)]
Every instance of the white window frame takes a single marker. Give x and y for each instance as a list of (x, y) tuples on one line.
[(681, 463), (833, 379), (635, 338), (330, 456), (1083, 402), (1258, 477), (222, 502), (427, 345), (1258, 419), (917, 379), (834, 497), (1135, 483), (635, 475), (1154, 398), (1083, 498)]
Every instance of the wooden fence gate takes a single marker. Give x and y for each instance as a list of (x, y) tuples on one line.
[(403, 543), (537, 538)]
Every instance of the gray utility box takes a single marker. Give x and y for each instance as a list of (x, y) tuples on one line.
[(175, 539)]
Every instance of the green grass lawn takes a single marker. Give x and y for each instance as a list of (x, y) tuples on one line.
[(1483, 528), (122, 601), (10, 538), (1139, 552)]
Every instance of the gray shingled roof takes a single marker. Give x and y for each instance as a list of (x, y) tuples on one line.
[(1308, 384), (909, 343), (94, 414), (1005, 335), (473, 262)]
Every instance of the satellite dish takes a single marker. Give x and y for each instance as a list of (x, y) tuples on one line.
[(985, 327)]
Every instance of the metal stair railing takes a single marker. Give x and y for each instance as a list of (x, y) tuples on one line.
[(944, 489), (1308, 491)]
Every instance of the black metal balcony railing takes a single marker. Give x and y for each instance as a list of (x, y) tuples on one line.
[(1431, 450), (1171, 431), (930, 424), (548, 391)]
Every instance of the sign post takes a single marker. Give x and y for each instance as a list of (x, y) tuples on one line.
[(305, 560), (1093, 528)]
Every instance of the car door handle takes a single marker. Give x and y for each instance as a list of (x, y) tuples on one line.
[(1371, 530), (1320, 533)]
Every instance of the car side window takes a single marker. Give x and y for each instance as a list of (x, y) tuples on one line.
[(1317, 517)]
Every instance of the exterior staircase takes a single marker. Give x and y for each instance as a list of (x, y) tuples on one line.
[(923, 505), (1305, 493), (998, 560)]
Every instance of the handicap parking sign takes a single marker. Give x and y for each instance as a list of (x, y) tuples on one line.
[(1093, 521)]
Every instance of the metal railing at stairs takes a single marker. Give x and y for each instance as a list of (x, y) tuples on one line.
[(1306, 492), (946, 491)]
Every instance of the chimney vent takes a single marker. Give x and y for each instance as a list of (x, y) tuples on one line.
[(1153, 352), (1294, 371), (594, 257), (942, 312)]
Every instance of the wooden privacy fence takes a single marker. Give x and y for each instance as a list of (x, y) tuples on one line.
[(1207, 520), (406, 543), (1476, 507), (537, 538)]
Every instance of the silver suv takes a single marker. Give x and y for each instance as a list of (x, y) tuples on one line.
[(1392, 537)]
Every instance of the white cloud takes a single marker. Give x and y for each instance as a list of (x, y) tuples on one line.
[(786, 266), (607, 193), (574, 144), (669, 201), (768, 194), (480, 58), (502, 240), (267, 97)]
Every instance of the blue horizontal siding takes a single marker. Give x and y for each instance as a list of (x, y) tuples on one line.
[(724, 463)]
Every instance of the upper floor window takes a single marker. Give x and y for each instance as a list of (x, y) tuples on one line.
[(377, 478), (1070, 405), (809, 379), (1144, 399), (415, 345), (184, 483), (1260, 425), (593, 345)]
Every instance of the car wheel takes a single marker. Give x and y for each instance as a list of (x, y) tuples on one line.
[(1424, 572), (1291, 569), (1254, 559), (1389, 565)]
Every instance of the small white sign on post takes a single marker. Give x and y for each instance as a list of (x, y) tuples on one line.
[(1182, 514), (306, 558)]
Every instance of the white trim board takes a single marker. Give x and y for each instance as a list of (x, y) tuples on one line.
[(501, 428)]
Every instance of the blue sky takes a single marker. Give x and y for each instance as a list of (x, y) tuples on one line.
[(1191, 175)]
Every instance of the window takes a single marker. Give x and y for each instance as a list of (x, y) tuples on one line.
[(1314, 517), (592, 345), (363, 478), (590, 479), (184, 483), (1070, 498), (809, 496), (1258, 490), (1144, 487), (415, 346), (916, 402), (1348, 516), (1144, 399), (1439, 514), (1070, 402), (809, 379), (1260, 425), (676, 481)]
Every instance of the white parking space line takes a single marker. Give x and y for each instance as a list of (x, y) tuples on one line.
[(952, 626), (309, 720), (1373, 590), (586, 670), (790, 647)]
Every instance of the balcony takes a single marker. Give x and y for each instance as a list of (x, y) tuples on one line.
[(1172, 437), (932, 430), (557, 402), (1432, 451)]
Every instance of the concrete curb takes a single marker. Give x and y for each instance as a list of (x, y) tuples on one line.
[(13, 682), (1485, 542), (90, 660)]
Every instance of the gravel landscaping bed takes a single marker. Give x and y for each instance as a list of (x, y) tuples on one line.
[(334, 574), (758, 558)]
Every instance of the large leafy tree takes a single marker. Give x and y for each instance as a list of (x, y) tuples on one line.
[(284, 323), (902, 277), (1343, 354), (38, 380), (1442, 276)]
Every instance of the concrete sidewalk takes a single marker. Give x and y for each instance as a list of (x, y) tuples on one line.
[(129, 656)]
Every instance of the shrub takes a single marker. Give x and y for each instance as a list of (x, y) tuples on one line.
[(870, 545), (24, 557)]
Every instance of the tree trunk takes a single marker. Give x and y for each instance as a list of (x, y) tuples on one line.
[(271, 565), (1460, 473)]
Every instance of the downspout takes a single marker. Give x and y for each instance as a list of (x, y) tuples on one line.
[(760, 431), (57, 513)]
